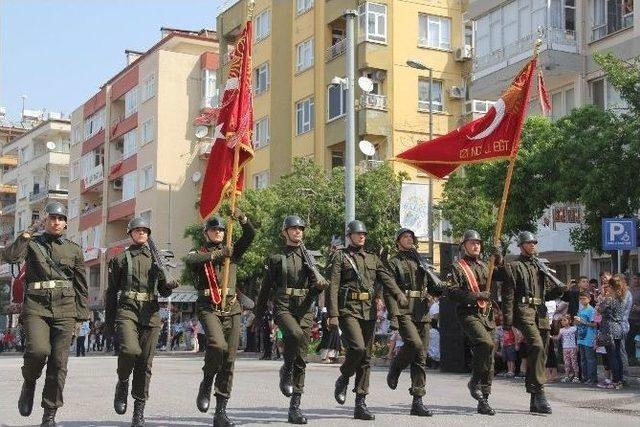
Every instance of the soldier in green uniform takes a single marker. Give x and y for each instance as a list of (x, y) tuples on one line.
[(135, 276), (417, 282), (524, 292), (354, 274), (56, 297), (220, 319), (294, 283), (468, 284)]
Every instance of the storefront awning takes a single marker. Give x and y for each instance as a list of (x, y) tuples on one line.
[(182, 294)]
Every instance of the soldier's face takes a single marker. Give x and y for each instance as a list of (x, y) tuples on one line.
[(55, 224), (406, 241), (358, 239), (528, 248), (215, 235), (473, 247), (139, 236), (294, 235)]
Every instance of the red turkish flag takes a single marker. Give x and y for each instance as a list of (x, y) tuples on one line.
[(493, 136), (234, 126), (543, 94)]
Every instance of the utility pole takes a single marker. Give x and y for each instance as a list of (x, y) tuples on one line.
[(350, 128)]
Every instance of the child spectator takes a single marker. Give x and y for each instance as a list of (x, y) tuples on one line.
[(567, 336), (509, 353), (551, 364), (586, 331)]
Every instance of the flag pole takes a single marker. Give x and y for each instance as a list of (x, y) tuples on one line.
[(224, 290), (505, 191)]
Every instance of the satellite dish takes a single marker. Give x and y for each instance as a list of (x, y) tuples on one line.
[(365, 83), (201, 131), (367, 148), (196, 176), (50, 145)]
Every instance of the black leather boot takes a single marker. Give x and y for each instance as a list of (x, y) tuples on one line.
[(483, 406), (285, 379), (474, 390), (361, 411), (340, 392), (220, 419), (25, 402), (204, 394), (393, 375), (49, 417), (418, 408), (295, 414), (539, 403), (120, 398), (138, 413)]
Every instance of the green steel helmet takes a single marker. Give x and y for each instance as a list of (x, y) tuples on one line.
[(292, 221), (471, 235), (56, 208), (356, 226), (138, 222), (215, 222), (403, 230), (526, 237)]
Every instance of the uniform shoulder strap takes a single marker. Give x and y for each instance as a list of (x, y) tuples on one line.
[(129, 261), (54, 265)]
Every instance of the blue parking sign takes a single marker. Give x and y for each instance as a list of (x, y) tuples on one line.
[(618, 234)]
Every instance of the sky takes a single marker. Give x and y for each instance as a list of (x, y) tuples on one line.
[(59, 52)]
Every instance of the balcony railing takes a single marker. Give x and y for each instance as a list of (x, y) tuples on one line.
[(372, 100), (336, 50), (9, 208), (95, 176), (41, 195)]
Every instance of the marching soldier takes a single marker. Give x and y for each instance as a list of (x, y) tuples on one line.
[(56, 297), (295, 283), (354, 273), (220, 319), (528, 284), (416, 280), (135, 276), (468, 279)]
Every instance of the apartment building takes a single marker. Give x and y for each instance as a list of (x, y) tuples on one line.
[(503, 36), (134, 151), (299, 47), (8, 132)]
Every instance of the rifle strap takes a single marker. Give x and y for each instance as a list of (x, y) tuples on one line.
[(353, 265), (54, 265)]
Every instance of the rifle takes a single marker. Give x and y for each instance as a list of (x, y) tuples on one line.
[(548, 272), (160, 260), (311, 264), (427, 268)]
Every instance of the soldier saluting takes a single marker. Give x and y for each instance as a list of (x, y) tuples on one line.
[(417, 281), (220, 319), (528, 284), (354, 273), (135, 275), (56, 297), (295, 283), (468, 279)]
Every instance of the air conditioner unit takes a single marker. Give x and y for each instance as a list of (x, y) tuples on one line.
[(463, 53), (456, 92), (117, 184)]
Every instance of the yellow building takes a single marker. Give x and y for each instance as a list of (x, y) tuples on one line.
[(299, 47)]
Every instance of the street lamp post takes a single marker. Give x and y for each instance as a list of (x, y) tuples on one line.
[(419, 65), (350, 128), (169, 246)]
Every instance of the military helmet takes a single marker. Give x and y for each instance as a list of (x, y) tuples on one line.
[(215, 222), (56, 208), (292, 221), (356, 226), (403, 230), (471, 235), (526, 237), (138, 222)]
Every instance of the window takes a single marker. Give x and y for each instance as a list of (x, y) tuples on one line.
[(129, 186), (337, 159), (261, 180), (597, 93), (337, 104), (74, 170), (373, 22), (73, 208), (261, 78), (147, 131), (148, 88), (146, 215), (261, 133), (262, 25), (435, 32), (129, 147), (303, 5), (556, 105), (209, 89), (146, 178), (304, 115), (76, 134), (24, 188), (569, 101), (570, 15), (131, 102), (610, 16), (436, 95), (94, 124), (304, 55)]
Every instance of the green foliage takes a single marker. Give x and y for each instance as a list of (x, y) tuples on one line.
[(624, 76)]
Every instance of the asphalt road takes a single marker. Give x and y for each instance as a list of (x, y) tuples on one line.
[(257, 401)]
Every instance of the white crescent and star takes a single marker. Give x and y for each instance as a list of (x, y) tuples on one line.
[(500, 110)]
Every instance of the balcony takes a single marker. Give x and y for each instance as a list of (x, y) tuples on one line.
[(6, 188), (8, 160), (124, 125), (372, 100), (336, 50), (42, 196), (121, 209), (476, 108), (94, 178), (90, 218), (8, 209), (93, 142)]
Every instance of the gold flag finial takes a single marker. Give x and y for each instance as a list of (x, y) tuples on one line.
[(251, 4), (538, 42)]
